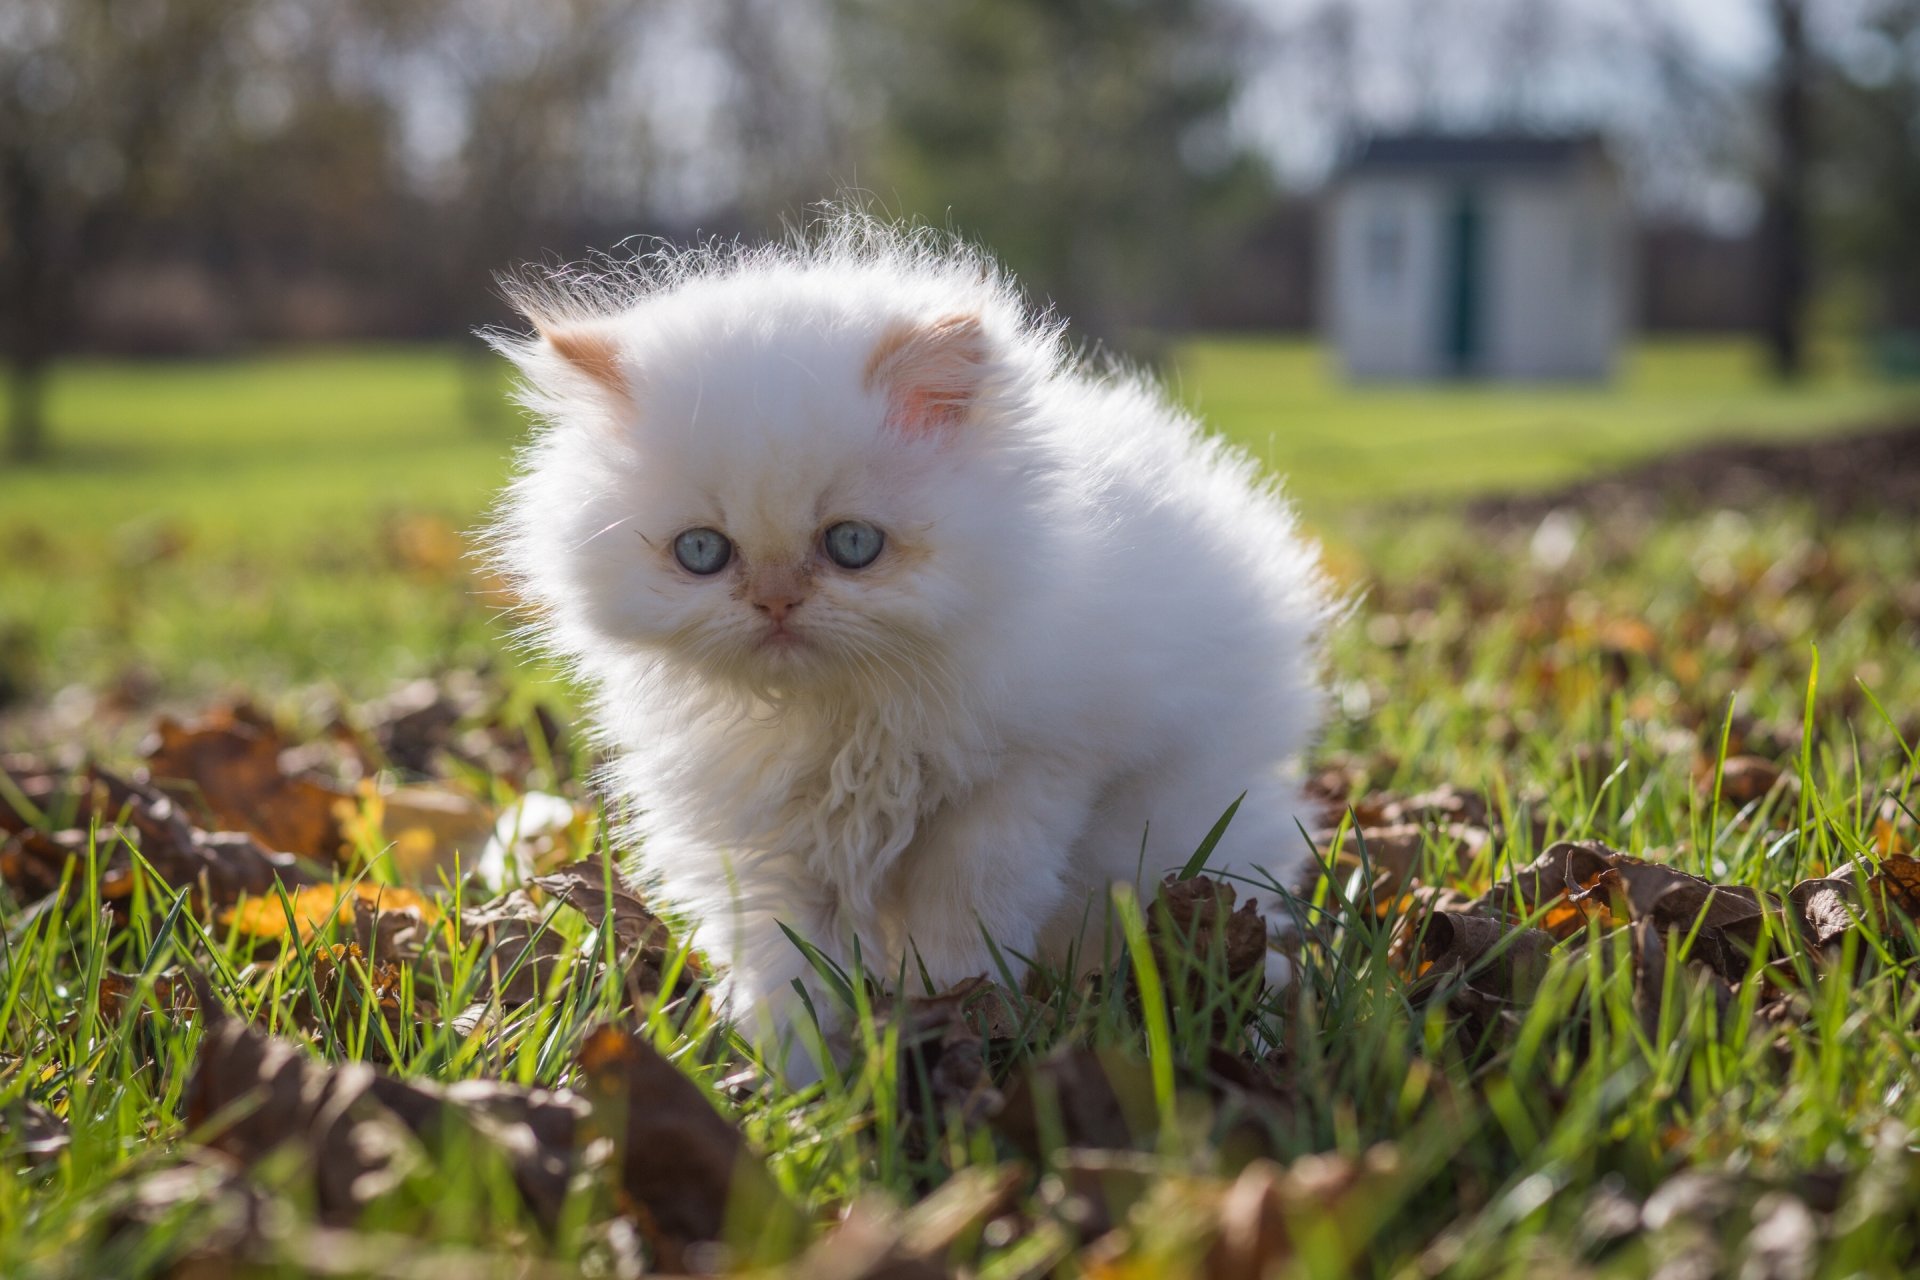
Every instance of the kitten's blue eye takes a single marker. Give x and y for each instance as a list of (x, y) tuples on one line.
[(854, 544), (702, 551)]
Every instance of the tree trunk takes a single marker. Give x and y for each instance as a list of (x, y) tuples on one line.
[(1784, 220), (26, 407), (28, 323)]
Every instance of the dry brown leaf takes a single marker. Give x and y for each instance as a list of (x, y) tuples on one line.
[(876, 1241), (518, 950), (433, 727), (1497, 959), (362, 1131), (596, 891), (943, 1048), (345, 982), (1194, 924), (1649, 976), (1564, 869), (31, 1134), (116, 991), (1442, 806), (219, 866), (229, 763), (1899, 878), (1101, 1097), (231, 1218), (1391, 852), (1828, 908), (1249, 1228), (686, 1174), (251, 1095)]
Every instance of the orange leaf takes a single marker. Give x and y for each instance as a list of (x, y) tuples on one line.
[(315, 906)]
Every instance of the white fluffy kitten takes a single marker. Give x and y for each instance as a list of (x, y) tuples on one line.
[(904, 626)]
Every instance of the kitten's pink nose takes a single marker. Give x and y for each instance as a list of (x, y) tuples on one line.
[(777, 607)]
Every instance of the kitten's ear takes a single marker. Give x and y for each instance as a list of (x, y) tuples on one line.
[(588, 351), (931, 372)]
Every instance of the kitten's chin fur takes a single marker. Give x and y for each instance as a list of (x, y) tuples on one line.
[(1088, 627)]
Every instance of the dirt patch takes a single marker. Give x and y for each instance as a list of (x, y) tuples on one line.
[(1876, 471)]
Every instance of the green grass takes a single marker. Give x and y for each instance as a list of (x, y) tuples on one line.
[(1340, 444), (294, 520), (225, 526), (1475, 1148)]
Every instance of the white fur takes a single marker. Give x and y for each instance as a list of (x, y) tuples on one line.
[(1099, 627)]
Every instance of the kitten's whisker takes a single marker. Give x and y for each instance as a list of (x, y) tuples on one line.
[(609, 529)]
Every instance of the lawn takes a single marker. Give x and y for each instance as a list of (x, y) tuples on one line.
[(297, 521), (1501, 1055)]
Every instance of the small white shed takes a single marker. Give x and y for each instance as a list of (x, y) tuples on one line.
[(1482, 255)]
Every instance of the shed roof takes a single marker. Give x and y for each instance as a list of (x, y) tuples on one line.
[(1534, 152)]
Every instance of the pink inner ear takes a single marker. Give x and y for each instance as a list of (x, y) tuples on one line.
[(931, 372), (591, 352)]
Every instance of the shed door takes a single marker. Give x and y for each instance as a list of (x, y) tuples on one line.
[(1464, 319)]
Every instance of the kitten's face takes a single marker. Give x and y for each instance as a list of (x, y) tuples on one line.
[(781, 509)]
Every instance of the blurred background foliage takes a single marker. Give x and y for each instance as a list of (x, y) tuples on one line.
[(211, 176)]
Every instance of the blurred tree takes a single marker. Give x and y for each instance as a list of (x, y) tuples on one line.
[(786, 132), (102, 106), (542, 137), (1785, 187), (1869, 157), (1086, 141)]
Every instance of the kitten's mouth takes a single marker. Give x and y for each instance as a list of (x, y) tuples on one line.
[(781, 638)]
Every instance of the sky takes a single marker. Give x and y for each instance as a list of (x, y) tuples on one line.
[(1654, 75), (1311, 84)]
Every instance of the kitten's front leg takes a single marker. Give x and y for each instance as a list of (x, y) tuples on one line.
[(773, 991), (993, 865)]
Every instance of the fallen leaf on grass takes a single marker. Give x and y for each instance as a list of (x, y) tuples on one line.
[(364, 1132), (1081, 1097), (944, 1044), (229, 762), (1545, 887), (518, 948), (214, 1215), (1502, 962), (439, 727), (1261, 1223), (1194, 926), (1263, 1211), (344, 982), (1442, 806), (251, 1095), (590, 887), (876, 1241), (308, 910), (1723, 925), (1391, 832), (31, 1135), (117, 994), (219, 866), (1899, 878), (1828, 908), (1831, 906), (686, 1174)]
